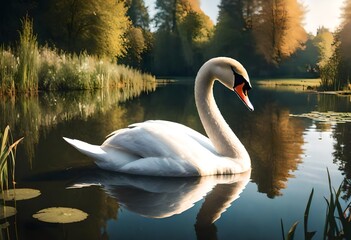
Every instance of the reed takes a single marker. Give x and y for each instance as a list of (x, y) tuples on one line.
[(26, 78), (51, 70), (337, 220), (62, 71), (7, 159), (32, 68), (8, 69)]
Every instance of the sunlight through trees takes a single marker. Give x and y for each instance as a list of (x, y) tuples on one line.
[(176, 36)]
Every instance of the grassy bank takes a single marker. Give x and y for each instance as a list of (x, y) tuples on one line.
[(300, 85), (29, 68), (291, 84)]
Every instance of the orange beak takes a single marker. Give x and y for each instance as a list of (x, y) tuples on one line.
[(242, 93)]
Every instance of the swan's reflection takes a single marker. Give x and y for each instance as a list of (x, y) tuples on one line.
[(155, 197)]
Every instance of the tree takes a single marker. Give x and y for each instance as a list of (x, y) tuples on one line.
[(138, 13), (233, 35), (324, 42), (182, 28), (336, 73), (302, 63), (95, 26), (140, 39), (345, 46), (278, 29), (195, 30), (165, 17), (136, 47), (278, 155), (228, 36)]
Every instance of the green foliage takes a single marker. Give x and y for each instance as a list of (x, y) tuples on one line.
[(329, 72), (45, 69), (308, 235), (77, 72), (8, 69), (26, 79), (303, 63), (138, 13), (324, 42), (266, 36), (229, 32), (137, 46), (61, 71), (98, 27), (140, 39), (233, 35), (165, 17), (182, 35), (336, 72)]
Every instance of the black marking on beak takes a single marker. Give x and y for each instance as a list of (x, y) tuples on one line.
[(239, 79)]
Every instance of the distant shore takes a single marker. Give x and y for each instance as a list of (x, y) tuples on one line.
[(298, 85)]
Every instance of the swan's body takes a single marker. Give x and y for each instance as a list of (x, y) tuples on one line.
[(163, 148)]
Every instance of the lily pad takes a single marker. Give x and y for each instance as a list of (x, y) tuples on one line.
[(19, 194), (6, 211), (335, 117), (60, 215)]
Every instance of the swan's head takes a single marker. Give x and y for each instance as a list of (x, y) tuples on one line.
[(234, 76)]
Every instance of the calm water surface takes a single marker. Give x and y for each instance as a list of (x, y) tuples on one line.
[(289, 157)]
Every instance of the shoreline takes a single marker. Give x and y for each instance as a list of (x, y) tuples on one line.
[(306, 85)]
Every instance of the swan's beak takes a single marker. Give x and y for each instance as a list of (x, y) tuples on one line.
[(242, 93)]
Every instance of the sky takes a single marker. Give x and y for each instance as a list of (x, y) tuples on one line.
[(319, 12)]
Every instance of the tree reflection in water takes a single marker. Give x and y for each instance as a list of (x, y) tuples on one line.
[(275, 146), (342, 155), (30, 115)]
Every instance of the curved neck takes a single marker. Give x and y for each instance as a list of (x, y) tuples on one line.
[(222, 137)]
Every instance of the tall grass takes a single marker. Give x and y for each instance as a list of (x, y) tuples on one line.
[(337, 220), (62, 71), (32, 68), (7, 159), (8, 69), (26, 79)]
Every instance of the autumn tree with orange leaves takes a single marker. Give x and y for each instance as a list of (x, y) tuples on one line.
[(278, 29)]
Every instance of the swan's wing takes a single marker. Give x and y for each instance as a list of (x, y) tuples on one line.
[(201, 139), (164, 149), (159, 139)]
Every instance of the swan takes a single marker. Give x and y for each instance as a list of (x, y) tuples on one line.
[(169, 149)]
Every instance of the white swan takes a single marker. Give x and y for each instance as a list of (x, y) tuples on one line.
[(163, 148)]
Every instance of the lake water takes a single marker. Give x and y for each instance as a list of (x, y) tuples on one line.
[(290, 157)]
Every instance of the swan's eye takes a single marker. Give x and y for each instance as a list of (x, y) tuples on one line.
[(239, 79)]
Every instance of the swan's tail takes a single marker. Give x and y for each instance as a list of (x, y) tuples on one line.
[(93, 151)]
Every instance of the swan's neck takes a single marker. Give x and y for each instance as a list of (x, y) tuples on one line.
[(221, 135)]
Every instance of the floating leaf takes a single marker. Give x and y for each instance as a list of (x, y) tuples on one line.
[(6, 211), (19, 194), (60, 215), (337, 117)]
